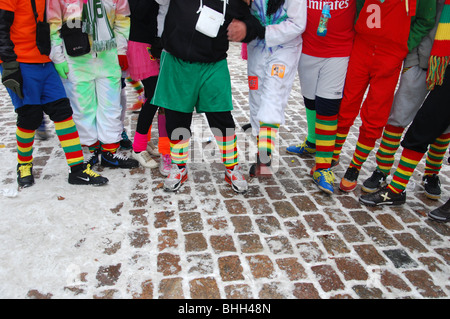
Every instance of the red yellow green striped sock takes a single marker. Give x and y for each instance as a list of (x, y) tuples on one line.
[(70, 141), (363, 148), (179, 151), (326, 128), (111, 147), (94, 147), (228, 150), (266, 138), (436, 153), (25, 141), (404, 171), (390, 142), (341, 136)]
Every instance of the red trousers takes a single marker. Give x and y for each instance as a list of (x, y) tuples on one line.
[(373, 66)]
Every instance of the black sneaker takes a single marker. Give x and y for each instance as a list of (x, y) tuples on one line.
[(383, 197), (350, 180), (83, 175), (374, 182), (432, 186), (93, 159), (25, 175), (261, 168), (118, 160), (442, 213)]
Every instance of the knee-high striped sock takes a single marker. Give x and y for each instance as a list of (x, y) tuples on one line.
[(341, 136), (390, 142), (266, 140), (436, 153), (363, 148), (179, 151), (326, 127), (70, 141), (111, 147), (228, 150), (405, 169), (25, 141), (92, 148)]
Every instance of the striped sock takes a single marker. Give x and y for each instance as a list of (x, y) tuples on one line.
[(266, 140), (390, 142), (326, 127), (228, 150), (25, 140), (94, 147), (341, 136), (405, 169), (179, 151), (436, 153), (70, 141), (363, 148), (111, 147)]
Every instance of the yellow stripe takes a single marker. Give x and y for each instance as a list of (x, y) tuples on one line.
[(324, 142), (320, 160), (24, 135), (326, 127), (64, 125), (75, 160), (25, 149), (407, 160), (443, 31), (71, 142)]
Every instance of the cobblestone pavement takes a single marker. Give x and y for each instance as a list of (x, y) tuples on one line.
[(283, 239)]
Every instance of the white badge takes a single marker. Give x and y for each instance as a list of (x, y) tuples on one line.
[(209, 22)]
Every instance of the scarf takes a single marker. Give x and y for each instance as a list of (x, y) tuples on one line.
[(440, 52), (96, 23)]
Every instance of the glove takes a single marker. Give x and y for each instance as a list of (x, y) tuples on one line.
[(62, 69), (156, 48), (123, 62), (12, 77)]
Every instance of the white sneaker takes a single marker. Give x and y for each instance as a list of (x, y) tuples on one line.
[(235, 178), (144, 159), (165, 164), (152, 149), (175, 178)]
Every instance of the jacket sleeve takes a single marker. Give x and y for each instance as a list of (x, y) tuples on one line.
[(55, 19), (122, 26), (7, 53), (289, 29), (422, 23)]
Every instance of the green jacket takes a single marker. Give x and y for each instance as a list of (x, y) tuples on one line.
[(421, 23)]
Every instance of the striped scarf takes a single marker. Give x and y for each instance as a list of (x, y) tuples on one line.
[(440, 53), (96, 24)]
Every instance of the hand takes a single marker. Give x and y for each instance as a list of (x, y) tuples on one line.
[(248, 2), (12, 77), (123, 62), (237, 30), (62, 69)]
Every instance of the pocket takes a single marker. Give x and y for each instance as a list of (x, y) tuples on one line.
[(76, 41)]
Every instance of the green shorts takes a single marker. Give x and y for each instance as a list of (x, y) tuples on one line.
[(187, 86)]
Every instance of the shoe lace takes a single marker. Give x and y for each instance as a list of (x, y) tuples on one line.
[(120, 156), (25, 170), (329, 176), (90, 172)]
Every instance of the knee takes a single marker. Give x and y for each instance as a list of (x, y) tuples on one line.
[(327, 107), (29, 117), (58, 110)]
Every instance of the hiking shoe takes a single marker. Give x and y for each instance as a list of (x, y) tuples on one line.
[(350, 180), (432, 186), (125, 143), (165, 164), (306, 148), (93, 159), (383, 197), (235, 178), (152, 149), (442, 213), (176, 177), (86, 176), (324, 178), (144, 159), (118, 160), (260, 169), (25, 176), (374, 182)]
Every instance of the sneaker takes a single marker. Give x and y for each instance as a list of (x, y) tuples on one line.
[(260, 169), (86, 176), (152, 149), (350, 180), (165, 164), (125, 143), (117, 160), (176, 177), (93, 159), (432, 186), (306, 148), (324, 178), (442, 213), (383, 197), (334, 163), (235, 178), (25, 176), (374, 182), (144, 159)]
